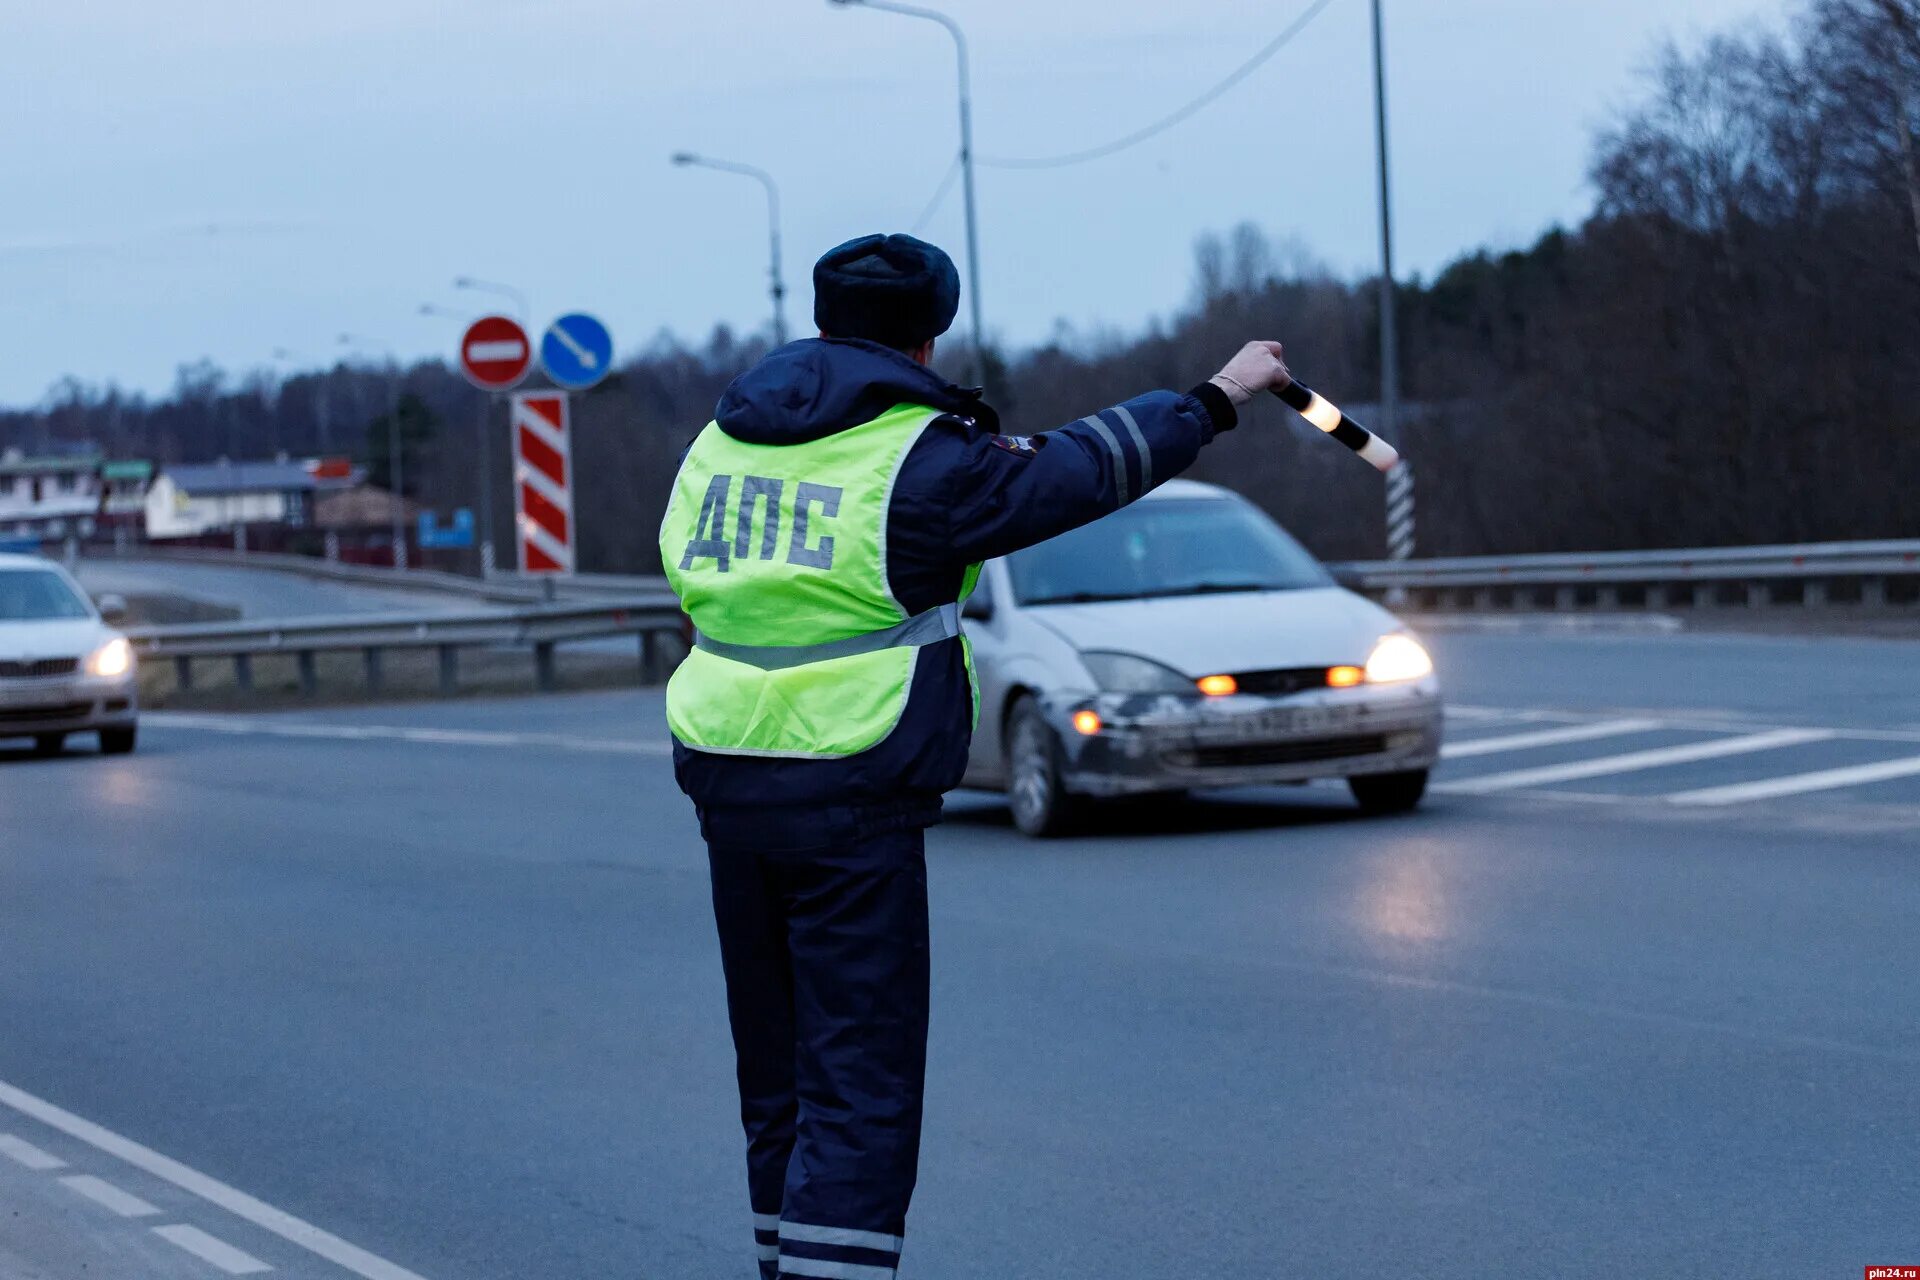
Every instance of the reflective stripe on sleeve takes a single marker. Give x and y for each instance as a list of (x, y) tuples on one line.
[(1140, 443), (1119, 455)]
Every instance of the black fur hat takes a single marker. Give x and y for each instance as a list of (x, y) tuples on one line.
[(893, 290)]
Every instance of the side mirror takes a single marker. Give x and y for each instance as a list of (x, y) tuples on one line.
[(978, 607), (113, 609)]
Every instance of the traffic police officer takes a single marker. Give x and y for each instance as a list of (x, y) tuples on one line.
[(822, 533)]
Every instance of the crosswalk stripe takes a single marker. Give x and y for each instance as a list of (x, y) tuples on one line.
[(235, 1262), (1636, 760), (1544, 738), (1794, 784)]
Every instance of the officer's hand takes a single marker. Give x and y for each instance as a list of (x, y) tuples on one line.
[(1258, 366)]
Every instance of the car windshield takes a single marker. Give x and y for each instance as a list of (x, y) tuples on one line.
[(34, 595), (1165, 547)]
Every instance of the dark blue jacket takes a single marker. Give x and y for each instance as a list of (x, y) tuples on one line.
[(965, 493)]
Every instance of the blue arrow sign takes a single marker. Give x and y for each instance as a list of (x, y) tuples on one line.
[(577, 351)]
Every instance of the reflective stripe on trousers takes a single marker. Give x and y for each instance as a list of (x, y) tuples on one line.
[(823, 936)]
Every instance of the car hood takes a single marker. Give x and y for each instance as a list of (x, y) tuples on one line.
[(54, 638), (1239, 631)]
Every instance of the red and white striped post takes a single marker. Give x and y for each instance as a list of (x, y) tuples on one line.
[(543, 482)]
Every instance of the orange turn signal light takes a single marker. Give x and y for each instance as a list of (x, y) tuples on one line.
[(1218, 686), (1344, 677), (1086, 722)]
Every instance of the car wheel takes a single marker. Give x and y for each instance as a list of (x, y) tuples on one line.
[(118, 742), (49, 744), (1389, 792), (1035, 792)]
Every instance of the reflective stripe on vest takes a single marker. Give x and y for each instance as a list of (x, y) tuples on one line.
[(930, 627)]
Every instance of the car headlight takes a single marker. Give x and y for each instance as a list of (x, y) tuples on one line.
[(114, 658), (1129, 673), (1397, 657)]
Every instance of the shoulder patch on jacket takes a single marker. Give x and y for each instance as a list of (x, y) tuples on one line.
[(1025, 446)]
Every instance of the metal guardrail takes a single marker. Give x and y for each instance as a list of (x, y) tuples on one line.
[(505, 589), (539, 627), (1805, 573)]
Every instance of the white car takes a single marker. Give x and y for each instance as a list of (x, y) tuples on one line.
[(62, 668), (1182, 643)]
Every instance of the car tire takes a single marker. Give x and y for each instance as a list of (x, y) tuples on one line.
[(49, 744), (1036, 791), (1389, 792), (118, 742)]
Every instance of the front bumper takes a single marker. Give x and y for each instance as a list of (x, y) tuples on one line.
[(1160, 743), (66, 704)]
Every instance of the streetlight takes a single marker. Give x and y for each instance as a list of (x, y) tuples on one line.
[(504, 290), (778, 289), (393, 454), (966, 158), (486, 450)]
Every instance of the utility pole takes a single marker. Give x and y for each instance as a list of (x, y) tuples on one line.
[(1400, 480)]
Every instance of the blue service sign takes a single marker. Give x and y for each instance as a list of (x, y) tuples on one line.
[(577, 351), (459, 535)]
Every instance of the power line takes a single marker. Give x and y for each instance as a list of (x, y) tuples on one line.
[(939, 195), (1166, 122)]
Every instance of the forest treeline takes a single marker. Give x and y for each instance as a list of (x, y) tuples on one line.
[(1726, 351)]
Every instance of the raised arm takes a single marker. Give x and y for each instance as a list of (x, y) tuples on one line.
[(1008, 492)]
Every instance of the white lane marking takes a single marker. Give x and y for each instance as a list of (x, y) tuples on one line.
[(20, 1151), (100, 1191), (1693, 722), (1794, 784), (1545, 738), (401, 733), (235, 1262), (1634, 761), (238, 1203)]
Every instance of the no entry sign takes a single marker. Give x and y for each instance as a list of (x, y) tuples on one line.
[(495, 353)]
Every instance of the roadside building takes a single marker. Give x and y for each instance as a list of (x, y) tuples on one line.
[(44, 498), (195, 500), (123, 492)]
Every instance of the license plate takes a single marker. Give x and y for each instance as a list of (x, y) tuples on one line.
[(1274, 723), (34, 693)]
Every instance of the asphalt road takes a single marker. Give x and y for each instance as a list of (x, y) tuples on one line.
[(440, 981)]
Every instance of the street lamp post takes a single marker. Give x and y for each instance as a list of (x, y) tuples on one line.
[(394, 460), (777, 287), (504, 290), (483, 430), (966, 160)]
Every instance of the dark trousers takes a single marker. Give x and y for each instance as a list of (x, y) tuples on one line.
[(823, 934)]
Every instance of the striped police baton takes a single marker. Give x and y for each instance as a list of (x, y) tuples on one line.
[(1325, 414)]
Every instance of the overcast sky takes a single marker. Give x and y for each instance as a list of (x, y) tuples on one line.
[(354, 156)]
